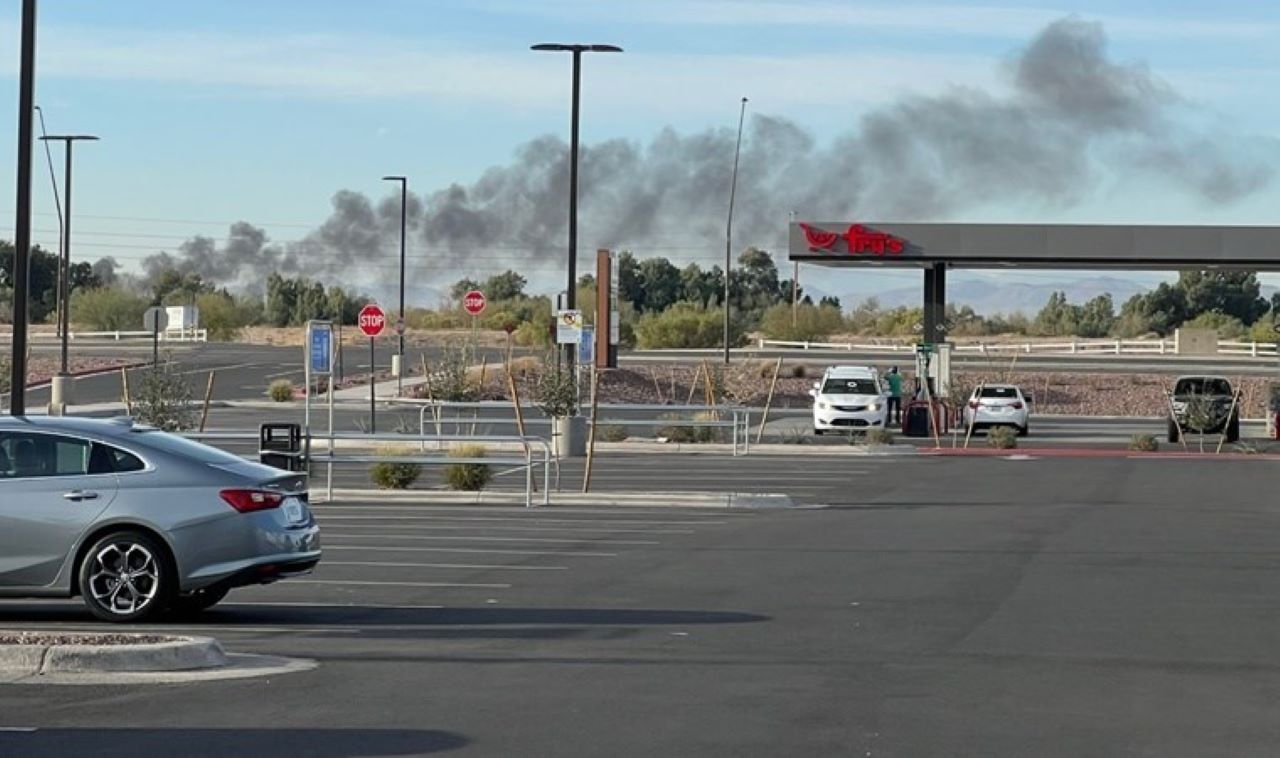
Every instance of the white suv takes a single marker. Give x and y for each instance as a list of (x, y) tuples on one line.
[(849, 398)]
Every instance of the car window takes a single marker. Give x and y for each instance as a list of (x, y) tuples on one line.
[(25, 454), (850, 387), (175, 445), (1202, 386), (123, 462), (1008, 393)]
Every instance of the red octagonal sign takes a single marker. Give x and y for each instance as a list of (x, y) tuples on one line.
[(372, 320), (474, 302)]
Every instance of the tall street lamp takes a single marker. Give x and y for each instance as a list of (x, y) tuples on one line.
[(571, 292), (404, 197), (728, 232), (62, 382)]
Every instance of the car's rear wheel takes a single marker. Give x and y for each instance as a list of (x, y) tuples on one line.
[(819, 432), (1025, 429), (126, 576), (200, 600), (1173, 431), (1233, 429)]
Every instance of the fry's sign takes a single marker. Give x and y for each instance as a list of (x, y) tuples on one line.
[(858, 240)]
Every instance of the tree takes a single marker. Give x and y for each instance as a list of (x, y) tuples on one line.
[(754, 285), (505, 286), (1231, 293), (661, 283), (42, 278), (224, 316), (629, 288), (461, 287), (1160, 310), (1057, 317), (1095, 318)]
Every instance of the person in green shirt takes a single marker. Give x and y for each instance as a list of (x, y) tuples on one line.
[(895, 396)]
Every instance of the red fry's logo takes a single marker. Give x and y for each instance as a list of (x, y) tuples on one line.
[(859, 239)]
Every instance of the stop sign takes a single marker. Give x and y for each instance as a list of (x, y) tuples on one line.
[(372, 320), (474, 302)]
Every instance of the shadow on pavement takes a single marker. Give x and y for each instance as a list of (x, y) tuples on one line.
[(317, 743)]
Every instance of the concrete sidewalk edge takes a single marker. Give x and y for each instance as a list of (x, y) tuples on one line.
[(184, 654)]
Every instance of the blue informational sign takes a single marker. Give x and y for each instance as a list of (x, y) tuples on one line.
[(320, 348), (587, 346)]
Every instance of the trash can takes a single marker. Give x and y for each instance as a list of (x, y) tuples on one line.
[(916, 418), (280, 446)]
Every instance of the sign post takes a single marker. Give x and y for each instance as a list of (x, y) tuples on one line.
[(372, 321), (319, 363), (155, 320), (569, 327), (474, 303)]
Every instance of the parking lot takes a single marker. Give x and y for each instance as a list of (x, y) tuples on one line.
[(993, 606)]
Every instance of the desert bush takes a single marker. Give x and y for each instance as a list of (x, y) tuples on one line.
[(876, 437), (1144, 443), (163, 398), (468, 477), (807, 323), (107, 309), (685, 325), (556, 393), (394, 475), (1228, 327), (689, 434), (223, 316), (281, 390), (613, 433), (1003, 438), (799, 371), (449, 379)]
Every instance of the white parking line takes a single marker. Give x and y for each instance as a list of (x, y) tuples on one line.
[(436, 585), (478, 567), (19, 729), (535, 519), (522, 512), (487, 551), (324, 522), (372, 606), (575, 541)]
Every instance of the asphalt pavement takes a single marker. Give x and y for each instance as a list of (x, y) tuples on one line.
[(993, 607)]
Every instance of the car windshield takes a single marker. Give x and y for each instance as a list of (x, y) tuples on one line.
[(1008, 393), (1202, 385), (850, 387), (175, 445)]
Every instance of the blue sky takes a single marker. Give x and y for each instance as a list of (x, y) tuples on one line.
[(212, 112)]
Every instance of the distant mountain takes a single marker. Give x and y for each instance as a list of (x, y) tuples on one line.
[(988, 296)]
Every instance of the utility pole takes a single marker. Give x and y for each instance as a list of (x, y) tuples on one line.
[(22, 214), (728, 234)]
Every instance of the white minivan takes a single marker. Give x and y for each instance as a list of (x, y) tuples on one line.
[(850, 398)]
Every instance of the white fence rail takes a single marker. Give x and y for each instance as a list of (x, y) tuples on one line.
[(1073, 347), (172, 335)]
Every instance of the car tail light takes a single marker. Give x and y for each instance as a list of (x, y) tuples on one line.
[(973, 404), (1018, 406), (248, 501)]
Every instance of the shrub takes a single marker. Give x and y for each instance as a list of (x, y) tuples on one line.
[(223, 316), (391, 475), (1003, 438), (799, 371), (613, 433), (107, 309), (689, 434), (807, 323), (1228, 327), (876, 437), (532, 335), (684, 325), (556, 393), (163, 399), (1144, 443), (468, 477), (1264, 330), (281, 390)]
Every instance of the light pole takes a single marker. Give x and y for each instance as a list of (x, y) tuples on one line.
[(57, 201), (22, 210), (571, 292), (728, 233), (404, 197), (62, 382)]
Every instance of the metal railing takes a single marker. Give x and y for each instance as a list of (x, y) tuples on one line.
[(1072, 347), (331, 456), (738, 417)]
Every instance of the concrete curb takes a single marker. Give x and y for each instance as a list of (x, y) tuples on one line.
[(738, 500), (182, 654)]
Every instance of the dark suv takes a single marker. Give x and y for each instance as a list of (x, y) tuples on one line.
[(1206, 405)]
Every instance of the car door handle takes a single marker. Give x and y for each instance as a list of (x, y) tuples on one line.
[(78, 495)]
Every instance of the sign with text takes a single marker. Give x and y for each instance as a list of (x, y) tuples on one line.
[(474, 302), (569, 327), (372, 320), (587, 346), (320, 347)]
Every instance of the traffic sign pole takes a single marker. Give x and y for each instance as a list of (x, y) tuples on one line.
[(373, 401), (372, 321)]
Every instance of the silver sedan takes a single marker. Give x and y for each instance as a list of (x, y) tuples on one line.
[(137, 521)]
